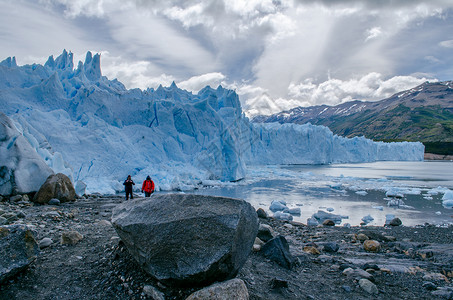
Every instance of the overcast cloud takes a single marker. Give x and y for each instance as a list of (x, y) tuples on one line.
[(275, 54)]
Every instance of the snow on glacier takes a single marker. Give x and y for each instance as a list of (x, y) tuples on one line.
[(97, 132)]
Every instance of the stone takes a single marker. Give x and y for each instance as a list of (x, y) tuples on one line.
[(183, 239), (57, 186), (25, 198), (277, 250), (443, 292), (429, 286), (21, 215), (371, 246), (396, 222), (261, 213), (346, 288), (357, 273), (54, 201), (328, 222), (435, 277), (277, 283), (331, 247), (18, 249), (265, 232), (15, 198), (231, 289), (44, 243), (312, 250), (10, 217), (70, 238), (153, 293), (362, 237), (368, 286), (3, 221)]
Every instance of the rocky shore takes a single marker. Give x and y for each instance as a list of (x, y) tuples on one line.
[(82, 257)]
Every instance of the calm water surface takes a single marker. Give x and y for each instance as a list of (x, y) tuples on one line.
[(342, 188)]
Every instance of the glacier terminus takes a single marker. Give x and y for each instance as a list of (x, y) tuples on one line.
[(97, 131)]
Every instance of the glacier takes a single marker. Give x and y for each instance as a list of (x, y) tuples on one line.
[(97, 131)]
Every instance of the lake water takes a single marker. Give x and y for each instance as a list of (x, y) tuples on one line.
[(353, 190)]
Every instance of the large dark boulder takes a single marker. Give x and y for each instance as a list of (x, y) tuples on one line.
[(18, 249), (57, 186), (187, 239)]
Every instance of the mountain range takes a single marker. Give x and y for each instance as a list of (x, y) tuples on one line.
[(423, 113)]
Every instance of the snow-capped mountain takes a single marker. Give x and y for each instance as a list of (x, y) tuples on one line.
[(424, 113), (97, 132)]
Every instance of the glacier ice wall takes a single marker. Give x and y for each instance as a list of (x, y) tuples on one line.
[(97, 131)]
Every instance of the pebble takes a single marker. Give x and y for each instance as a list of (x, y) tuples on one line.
[(368, 286), (54, 201), (311, 250), (71, 238), (429, 286), (45, 242), (346, 288), (153, 293), (371, 246), (261, 213), (435, 277), (331, 247), (396, 222), (15, 198), (357, 273), (328, 223), (362, 237), (3, 221), (443, 292)]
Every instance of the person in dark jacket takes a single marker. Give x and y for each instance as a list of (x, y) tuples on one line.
[(148, 186), (128, 183)]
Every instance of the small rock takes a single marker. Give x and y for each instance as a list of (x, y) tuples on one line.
[(371, 266), (54, 201), (3, 221), (153, 293), (435, 277), (277, 250), (429, 286), (328, 222), (25, 198), (444, 293), (311, 250), (368, 286), (357, 273), (362, 237), (390, 238), (261, 213), (231, 289), (265, 232), (371, 246), (44, 243), (331, 247), (15, 198), (71, 238), (289, 226), (346, 288), (277, 283), (21, 215), (396, 222), (104, 223)]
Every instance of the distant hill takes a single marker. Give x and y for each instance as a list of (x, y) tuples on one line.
[(424, 114)]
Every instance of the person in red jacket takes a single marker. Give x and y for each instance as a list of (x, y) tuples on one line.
[(148, 186)]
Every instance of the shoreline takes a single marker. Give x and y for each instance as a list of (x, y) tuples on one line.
[(99, 267), (432, 156)]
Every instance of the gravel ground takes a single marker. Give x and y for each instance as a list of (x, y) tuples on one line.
[(413, 262)]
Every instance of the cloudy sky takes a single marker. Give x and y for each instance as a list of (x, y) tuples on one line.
[(276, 54)]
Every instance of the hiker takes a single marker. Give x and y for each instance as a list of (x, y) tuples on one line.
[(128, 187), (148, 186)]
